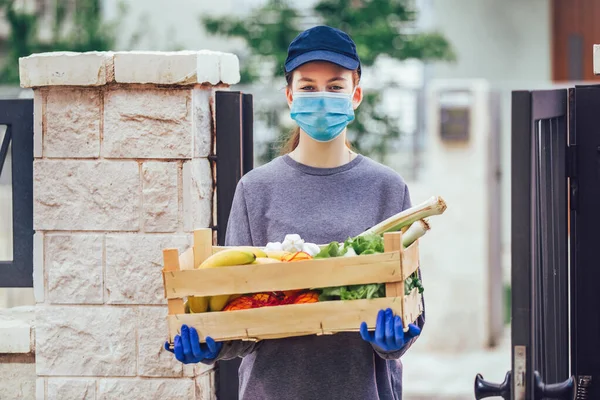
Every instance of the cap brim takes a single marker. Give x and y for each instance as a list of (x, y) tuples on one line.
[(322, 55)]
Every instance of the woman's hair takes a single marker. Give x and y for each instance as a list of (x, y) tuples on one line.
[(294, 139)]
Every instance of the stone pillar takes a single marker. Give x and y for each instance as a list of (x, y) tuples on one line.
[(120, 172)]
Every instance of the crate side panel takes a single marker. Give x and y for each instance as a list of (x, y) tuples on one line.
[(253, 278), (284, 321)]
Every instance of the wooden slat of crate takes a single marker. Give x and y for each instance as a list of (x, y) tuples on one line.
[(284, 321), (410, 263), (171, 263), (410, 255), (413, 307), (393, 242), (203, 240), (410, 259), (186, 259), (255, 278)]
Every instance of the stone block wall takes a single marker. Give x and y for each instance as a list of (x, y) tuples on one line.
[(120, 172), (17, 358)]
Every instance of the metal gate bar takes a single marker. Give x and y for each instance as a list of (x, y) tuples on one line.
[(234, 151), (521, 246), (234, 158), (550, 263)]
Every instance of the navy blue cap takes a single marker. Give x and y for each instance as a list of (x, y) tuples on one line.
[(322, 43)]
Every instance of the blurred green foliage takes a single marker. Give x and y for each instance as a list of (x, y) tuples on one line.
[(73, 26), (378, 27)]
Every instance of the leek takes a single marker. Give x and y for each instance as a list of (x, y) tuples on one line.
[(434, 206), (414, 232)]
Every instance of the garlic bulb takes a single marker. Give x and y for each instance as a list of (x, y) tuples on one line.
[(274, 246), (311, 249), (292, 243)]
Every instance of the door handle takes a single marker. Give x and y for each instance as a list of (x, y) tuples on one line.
[(485, 389), (557, 391)]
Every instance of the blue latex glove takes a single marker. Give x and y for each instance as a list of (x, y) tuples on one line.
[(189, 350), (389, 334)]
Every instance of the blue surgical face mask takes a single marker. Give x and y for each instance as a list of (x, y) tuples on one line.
[(322, 115)]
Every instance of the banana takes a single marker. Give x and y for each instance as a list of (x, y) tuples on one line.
[(197, 304), (218, 303), (225, 258), (265, 261), (257, 252), (276, 254), (229, 257)]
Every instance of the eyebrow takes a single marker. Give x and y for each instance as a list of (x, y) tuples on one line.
[(337, 78)]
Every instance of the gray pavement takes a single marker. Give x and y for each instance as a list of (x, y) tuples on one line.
[(450, 376)]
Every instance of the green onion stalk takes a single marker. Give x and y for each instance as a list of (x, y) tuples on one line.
[(415, 231), (434, 206)]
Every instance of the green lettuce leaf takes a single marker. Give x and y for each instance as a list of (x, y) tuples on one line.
[(367, 244), (331, 250), (353, 292)]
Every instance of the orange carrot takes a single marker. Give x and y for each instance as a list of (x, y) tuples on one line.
[(291, 293), (308, 297), (241, 303), (298, 256)]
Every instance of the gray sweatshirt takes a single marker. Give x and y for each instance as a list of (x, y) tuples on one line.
[(321, 205)]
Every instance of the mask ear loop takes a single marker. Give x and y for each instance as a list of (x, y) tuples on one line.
[(352, 98)]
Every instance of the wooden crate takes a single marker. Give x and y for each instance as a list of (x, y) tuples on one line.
[(321, 318)]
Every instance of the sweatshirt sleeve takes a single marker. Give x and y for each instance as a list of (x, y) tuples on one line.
[(233, 349), (238, 234), (420, 322)]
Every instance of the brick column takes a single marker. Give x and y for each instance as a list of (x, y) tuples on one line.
[(120, 172)]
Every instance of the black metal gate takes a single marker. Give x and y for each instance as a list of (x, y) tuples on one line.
[(585, 240), (17, 116), (555, 163), (234, 158)]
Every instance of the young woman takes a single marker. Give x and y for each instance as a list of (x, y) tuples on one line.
[(323, 191)]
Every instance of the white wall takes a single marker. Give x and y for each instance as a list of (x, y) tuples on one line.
[(505, 42)]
